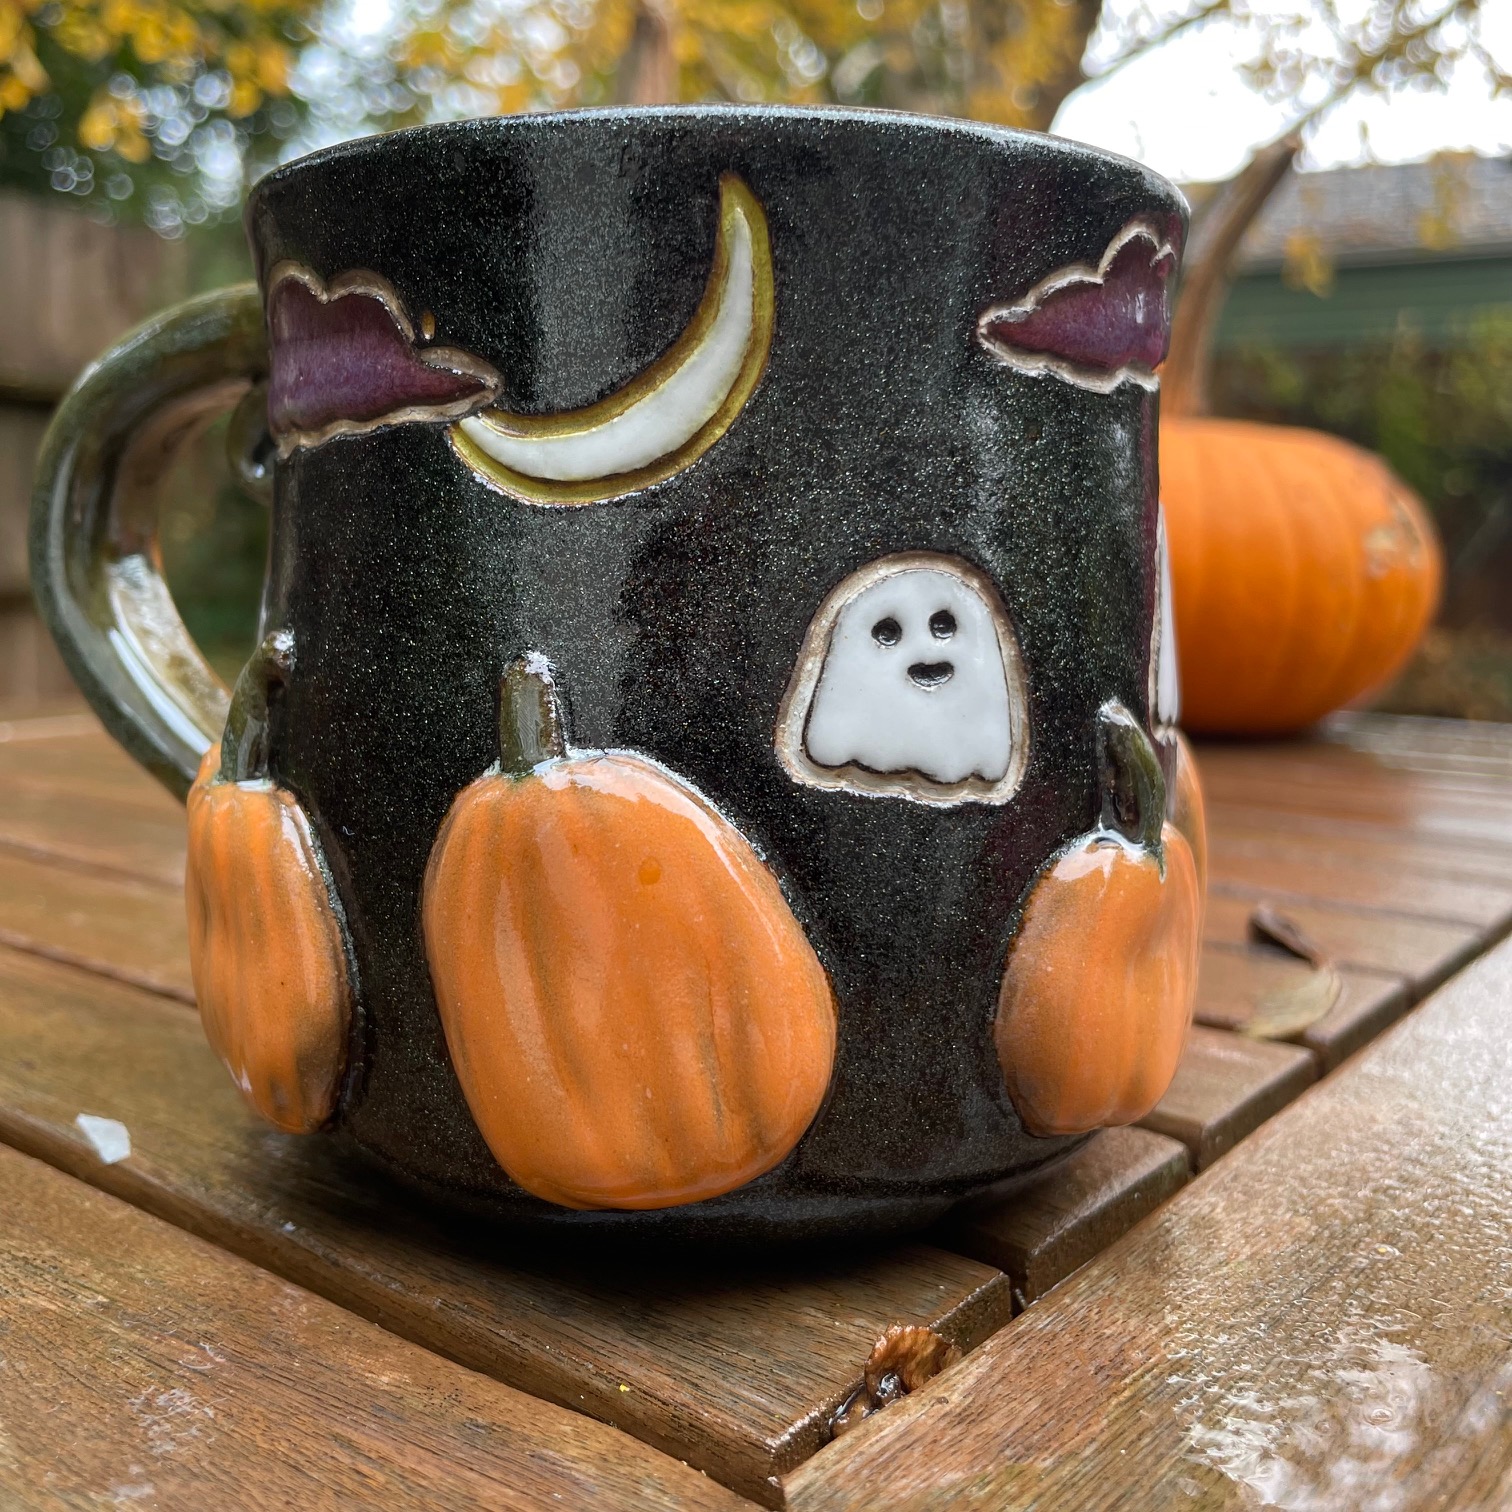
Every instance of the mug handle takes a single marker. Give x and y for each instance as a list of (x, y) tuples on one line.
[(95, 564)]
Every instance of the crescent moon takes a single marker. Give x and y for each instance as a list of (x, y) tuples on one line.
[(667, 417)]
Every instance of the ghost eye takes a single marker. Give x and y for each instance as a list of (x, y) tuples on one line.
[(942, 624), (887, 632)]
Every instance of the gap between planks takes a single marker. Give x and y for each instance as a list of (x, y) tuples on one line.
[(1321, 1315), (735, 1368), (144, 1366)]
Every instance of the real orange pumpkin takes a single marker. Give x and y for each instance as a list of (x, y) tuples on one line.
[(1097, 993), (1187, 808), (635, 1016), (1304, 572), (265, 946)]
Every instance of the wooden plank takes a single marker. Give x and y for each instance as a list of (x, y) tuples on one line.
[(31, 671), (1458, 747), (1235, 831), (1046, 1230), (1235, 984), (119, 926), (1225, 1087), (1320, 1321), (1401, 801), (1422, 950), (141, 1367), (20, 436), (1317, 878), (1323, 819), (1320, 763), (100, 833), (73, 286), (735, 1365), (71, 750)]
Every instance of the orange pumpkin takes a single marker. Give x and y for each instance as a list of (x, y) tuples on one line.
[(635, 1016), (1097, 994), (265, 946), (1304, 572), (1187, 809), (1097, 998)]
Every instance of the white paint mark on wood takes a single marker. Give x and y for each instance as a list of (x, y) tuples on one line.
[(111, 1138)]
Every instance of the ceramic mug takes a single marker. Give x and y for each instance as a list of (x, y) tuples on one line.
[(707, 767)]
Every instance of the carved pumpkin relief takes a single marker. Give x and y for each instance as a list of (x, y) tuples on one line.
[(266, 949), (635, 1015)]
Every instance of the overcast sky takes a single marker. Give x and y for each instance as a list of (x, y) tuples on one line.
[(1187, 112)]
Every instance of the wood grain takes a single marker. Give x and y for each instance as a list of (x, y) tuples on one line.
[(73, 752), (1325, 761), (73, 286), (120, 926), (141, 1367), (1236, 983), (20, 437), (1424, 951), (1322, 1320), (734, 1366), (1043, 1232), (1456, 747), (1239, 830), (101, 833), (1315, 876), (1407, 802), (1227, 1086)]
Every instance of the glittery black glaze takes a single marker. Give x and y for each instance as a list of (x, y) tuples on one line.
[(569, 252)]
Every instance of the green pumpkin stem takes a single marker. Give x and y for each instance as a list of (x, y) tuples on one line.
[(531, 726), (1133, 785), (244, 747)]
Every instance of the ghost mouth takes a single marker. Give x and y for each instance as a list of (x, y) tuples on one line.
[(931, 674)]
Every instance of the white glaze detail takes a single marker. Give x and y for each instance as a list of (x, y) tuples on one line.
[(909, 685), (1035, 363), (1165, 677), (663, 420)]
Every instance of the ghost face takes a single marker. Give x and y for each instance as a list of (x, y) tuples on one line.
[(909, 684)]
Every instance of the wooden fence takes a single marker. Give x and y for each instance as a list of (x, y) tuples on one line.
[(72, 286)]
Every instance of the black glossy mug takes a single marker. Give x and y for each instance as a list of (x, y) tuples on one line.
[(708, 766)]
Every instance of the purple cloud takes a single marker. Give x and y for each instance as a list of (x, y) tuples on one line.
[(345, 360), (1094, 327)]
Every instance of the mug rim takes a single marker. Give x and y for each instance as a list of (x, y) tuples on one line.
[(755, 115)]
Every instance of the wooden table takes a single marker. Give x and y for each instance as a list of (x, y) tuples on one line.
[(227, 1317)]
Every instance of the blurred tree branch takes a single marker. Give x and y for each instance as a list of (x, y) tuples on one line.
[(156, 107)]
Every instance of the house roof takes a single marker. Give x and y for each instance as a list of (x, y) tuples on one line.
[(1455, 205)]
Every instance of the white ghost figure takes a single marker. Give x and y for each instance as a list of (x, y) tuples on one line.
[(916, 678)]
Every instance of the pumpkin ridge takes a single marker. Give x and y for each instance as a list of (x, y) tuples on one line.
[(1278, 624), (224, 967), (1286, 517), (647, 988), (729, 1103), (634, 1018), (743, 858), (559, 1074), (613, 984), (1348, 584), (1097, 989)]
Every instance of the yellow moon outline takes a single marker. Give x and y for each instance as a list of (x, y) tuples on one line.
[(739, 211)]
